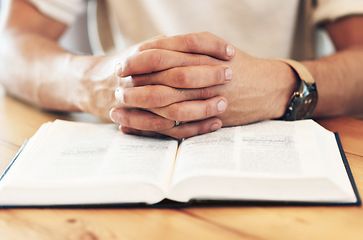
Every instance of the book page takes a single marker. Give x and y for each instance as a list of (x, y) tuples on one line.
[(261, 149), (333, 163), (266, 160), (92, 156)]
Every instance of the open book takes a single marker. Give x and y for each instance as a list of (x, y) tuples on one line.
[(70, 163)]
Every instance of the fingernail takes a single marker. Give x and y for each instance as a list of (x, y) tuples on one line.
[(229, 51), (119, 95), (228, 74), (221, 105), (126, 82), (214, 127), (114, 116)]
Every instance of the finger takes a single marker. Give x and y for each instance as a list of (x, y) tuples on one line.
[(190, 129), (184, 130), (137, 132), (155, 60), (140, 119), (201, 43), (185, 77), (192, 110), (156, 96), (131, 51)]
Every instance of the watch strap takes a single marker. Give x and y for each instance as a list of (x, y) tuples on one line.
[(300, 69)]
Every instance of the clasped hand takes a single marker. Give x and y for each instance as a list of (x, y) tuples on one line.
[(198, 79)]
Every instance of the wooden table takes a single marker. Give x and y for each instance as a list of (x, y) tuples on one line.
[(19, 121)]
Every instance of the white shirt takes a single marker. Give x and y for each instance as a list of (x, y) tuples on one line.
[(260, 28), (61, 10)]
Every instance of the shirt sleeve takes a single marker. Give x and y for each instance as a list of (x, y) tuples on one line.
[(65, 11), (331, 10)]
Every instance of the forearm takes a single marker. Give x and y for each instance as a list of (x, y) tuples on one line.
[(39, 71), (31, 69), (339, 82)]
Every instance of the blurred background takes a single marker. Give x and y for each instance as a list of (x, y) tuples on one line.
[(76, 39)]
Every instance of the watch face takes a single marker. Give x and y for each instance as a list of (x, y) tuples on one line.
[(307, 106)]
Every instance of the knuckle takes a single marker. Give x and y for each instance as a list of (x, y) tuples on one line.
[(174, 113), (204, 93), (200, 60), (154, 98), (182, 78), (221, 46), (205, 60), (157, 125), (192, 41), (142, 47), (219, 74), (153, 57), (208, 111)]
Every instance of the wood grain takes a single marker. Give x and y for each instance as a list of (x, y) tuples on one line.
[(350, 131), (107, 224)]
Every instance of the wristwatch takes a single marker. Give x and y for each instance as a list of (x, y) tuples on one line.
[(305, 98)]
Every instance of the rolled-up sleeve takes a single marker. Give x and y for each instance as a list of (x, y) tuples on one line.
[(331, 10), (65, 11)]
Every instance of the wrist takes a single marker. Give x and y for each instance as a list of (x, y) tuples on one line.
[(288, 82), (303, 99)]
